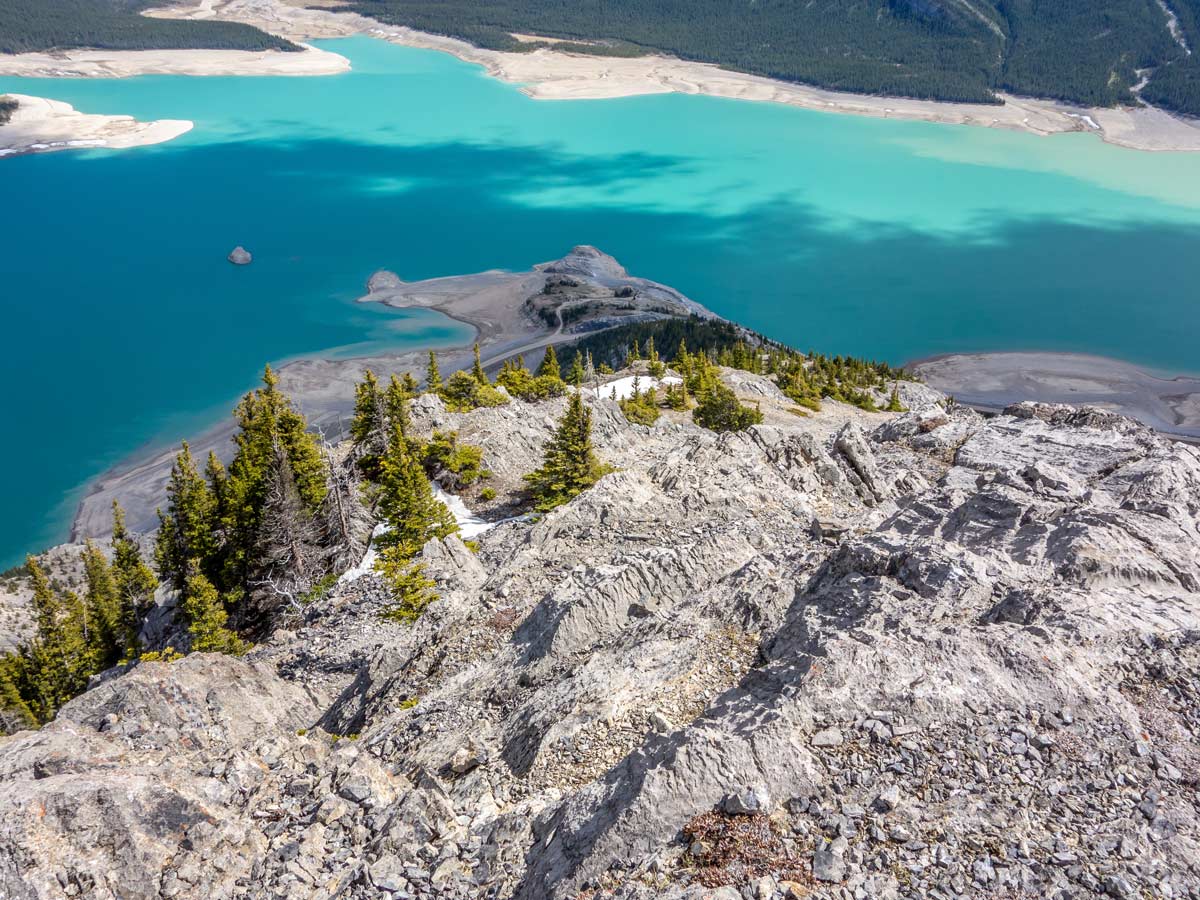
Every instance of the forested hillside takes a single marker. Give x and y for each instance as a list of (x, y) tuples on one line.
[(33, 25), (1074, 50)]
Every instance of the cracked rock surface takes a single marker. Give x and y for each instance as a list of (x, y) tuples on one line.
[(841, 656)]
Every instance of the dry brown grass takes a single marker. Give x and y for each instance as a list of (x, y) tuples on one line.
[(738, 849)]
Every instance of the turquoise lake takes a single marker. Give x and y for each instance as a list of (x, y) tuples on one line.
[(125, 326)]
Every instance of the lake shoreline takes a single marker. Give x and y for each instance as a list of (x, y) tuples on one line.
[(995, 380), (39, 125), (492, 304), (555, 75)]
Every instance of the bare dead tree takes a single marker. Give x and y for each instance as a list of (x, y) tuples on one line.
[(288, 557)]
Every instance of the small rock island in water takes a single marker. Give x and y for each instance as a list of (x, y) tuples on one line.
[(240, 256)]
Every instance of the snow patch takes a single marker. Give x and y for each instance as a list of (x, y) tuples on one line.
[(624, 386)]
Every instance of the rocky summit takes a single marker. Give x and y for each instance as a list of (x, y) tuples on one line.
[(838, 655)]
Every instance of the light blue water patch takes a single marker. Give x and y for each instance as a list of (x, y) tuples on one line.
[(882, 238)]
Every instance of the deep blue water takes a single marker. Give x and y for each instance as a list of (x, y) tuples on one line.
[(124, 324)]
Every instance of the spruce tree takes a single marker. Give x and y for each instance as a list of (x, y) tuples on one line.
[(433, 375), (569, 463), (575, 375), (414, 516), (368, 409), (412, 590), (549, 366), (135, 583), (206, 617), (102, 609), (395, 403), (188, 529), (719, 410), (16, 691), (60, 660), (407, 503), (477, 368), (368, 428), (656, 366), (267, 422)]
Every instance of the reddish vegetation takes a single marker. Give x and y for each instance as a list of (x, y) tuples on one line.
[(737, 849)]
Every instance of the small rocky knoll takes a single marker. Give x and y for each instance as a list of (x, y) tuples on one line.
[(839, 655)]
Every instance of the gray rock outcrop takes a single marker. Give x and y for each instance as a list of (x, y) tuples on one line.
[(916, 655), (240, 256)]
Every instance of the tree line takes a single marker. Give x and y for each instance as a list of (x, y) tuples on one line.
[(241, 547), (1078, 51), (28, 26)]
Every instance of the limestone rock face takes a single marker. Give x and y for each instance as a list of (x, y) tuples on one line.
[(916, 655), (240, 256)]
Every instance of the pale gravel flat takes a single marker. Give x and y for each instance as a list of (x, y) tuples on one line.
[(554, 75), (40, 125), (996, 380)]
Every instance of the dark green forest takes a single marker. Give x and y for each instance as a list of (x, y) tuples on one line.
[(1078, 51), (36, 25), (7, 107)]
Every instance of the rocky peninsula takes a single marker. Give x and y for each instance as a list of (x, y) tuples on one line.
[(508, 313)]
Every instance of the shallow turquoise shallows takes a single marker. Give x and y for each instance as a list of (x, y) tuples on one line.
[(124, 324)]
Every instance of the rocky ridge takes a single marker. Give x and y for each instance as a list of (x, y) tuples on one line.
[(845, 655)]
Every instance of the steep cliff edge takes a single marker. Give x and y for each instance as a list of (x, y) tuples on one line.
[(838, 655)]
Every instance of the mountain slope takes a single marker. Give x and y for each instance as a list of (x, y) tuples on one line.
[(899, 652), (35, 25), (1074, 50)]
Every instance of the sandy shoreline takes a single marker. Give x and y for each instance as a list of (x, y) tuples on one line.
[(555, 75), (995, 380), (128, 63), (40, 125)]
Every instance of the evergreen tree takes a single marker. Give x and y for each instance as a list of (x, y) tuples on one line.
[(575, 376), (369, 428), (60, 660), (396, 406), (433, 375), (16, 689), (102, 609), (719, 410), (206, 617), (569, 463), (412, 590), (267, 422), (894, 404), (656, 366), (477, 368), (368, 409), (414, 517), (641, 407), (188, 530), (549, 365), (407, 503), (135, 583)]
